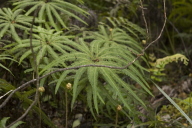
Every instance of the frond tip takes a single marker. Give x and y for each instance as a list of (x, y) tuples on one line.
[(160, 63)]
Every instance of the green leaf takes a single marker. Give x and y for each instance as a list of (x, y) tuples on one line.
[(107, 75), (41, 54), (92, 73), (76, 123), (14, 33), (78, 76), (58, 17), (52, 52), (3, 122), (89, 100), (61, 78), (5, 28), (126, 86), (17, 124), (5, 68), (50, 16), (41, 13), (132, 75), (26, 54), (32, 9)]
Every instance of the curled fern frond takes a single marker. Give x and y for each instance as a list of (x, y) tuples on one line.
[(160, 63)]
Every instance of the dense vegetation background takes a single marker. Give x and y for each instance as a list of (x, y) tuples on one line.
[(95, 63)]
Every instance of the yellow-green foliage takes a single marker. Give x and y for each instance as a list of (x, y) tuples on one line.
[(159, 65), (170, 113)]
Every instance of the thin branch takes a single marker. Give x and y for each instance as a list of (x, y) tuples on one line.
[(5, 94), (17, 89), (165, 16), (66, 108), (35, 64), (143, 14), (181, 40), (116, 118), (26, 112)]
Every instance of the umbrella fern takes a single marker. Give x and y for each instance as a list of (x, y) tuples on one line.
[(104, 49), (13, 20), (51, 11), (116, 45), (47, 43)]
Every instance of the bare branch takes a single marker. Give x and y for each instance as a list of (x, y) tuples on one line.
[(26, 112), (143, 14), (165, 16), (5, 94)]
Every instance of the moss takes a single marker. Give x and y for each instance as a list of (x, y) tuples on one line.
[(170, 114)]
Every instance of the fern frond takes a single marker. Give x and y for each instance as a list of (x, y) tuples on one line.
[(89, 100), (95, 46), (15, 13), (130, 27), (57, 61), (41, 14), (85, 47), (126, 86), (77, 78), (62, 77), (105, 72), (132, 75), (50, 17), (41, 54), (59, 48), (160, 63), (52, 52), (23, 4), (92, 73), (69, 13), (28, 53), (11, 20), (5, 28), (58, 17), (36, 4), (14, 33), (103, 31)]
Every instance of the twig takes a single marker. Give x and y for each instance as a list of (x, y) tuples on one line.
[(36, 66), (116, 118), (5, 94), (66, 109), (161, 29), (143, 14), (181, 40), (26, 112)]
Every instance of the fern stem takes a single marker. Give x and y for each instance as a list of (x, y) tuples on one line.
[(116, 119), (66, 109), (143, 14)]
